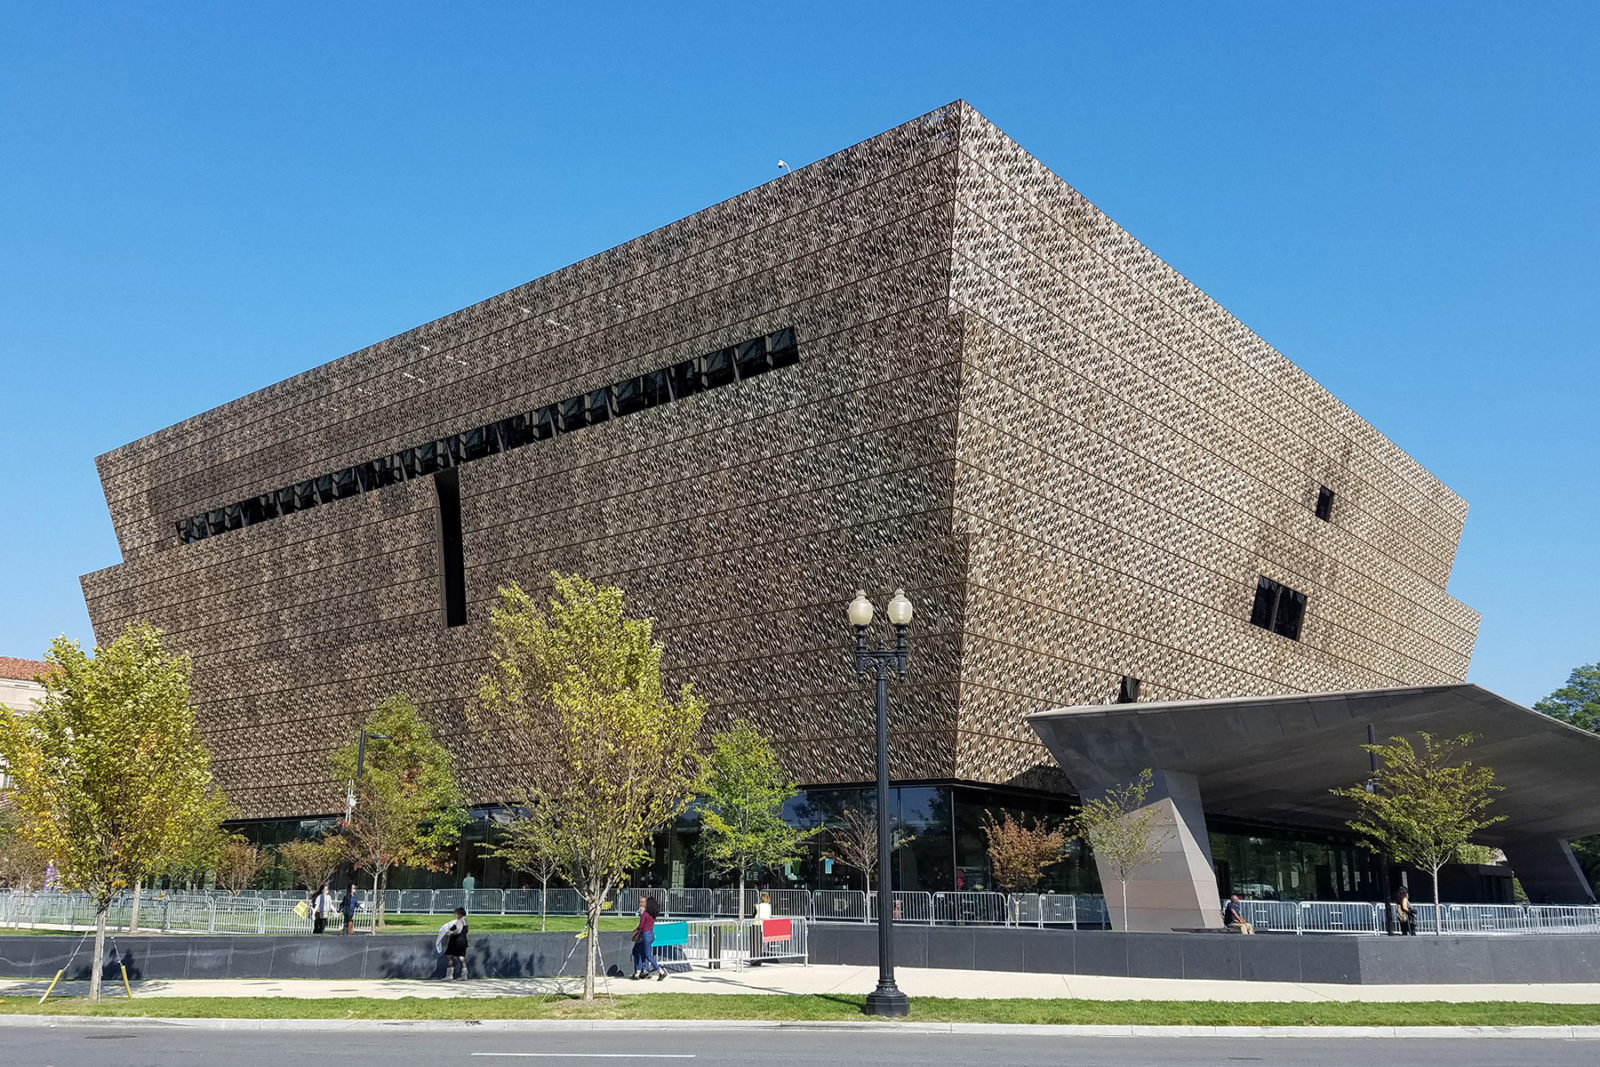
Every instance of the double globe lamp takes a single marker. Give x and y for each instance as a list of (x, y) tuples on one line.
[(887, 998)]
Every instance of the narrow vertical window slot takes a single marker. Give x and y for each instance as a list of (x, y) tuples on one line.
[(452, 565)]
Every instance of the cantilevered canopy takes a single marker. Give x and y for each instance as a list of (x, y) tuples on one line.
[(1275, 758)]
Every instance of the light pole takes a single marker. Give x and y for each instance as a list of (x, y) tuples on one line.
[(361, 759), (887, 998)]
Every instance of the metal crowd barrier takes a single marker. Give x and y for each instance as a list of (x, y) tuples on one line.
[(272, 911), (739, 943)]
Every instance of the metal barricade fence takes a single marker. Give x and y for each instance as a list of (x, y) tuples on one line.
[(1092, 913), (909, 907), (1270, 916), (1487, 919), (839, 905), (486, 902), (1340, 917), (563, 902), (1041, 909), (520, 902), (969, 909), (415, 900), (740, 942), (1559, 917)]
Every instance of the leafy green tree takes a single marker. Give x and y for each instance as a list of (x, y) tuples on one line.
[(408, 805), (1422, 807), (22, 865), (110, 771), (742, 793), (1577, 702), (1125, 835), (574, 695)]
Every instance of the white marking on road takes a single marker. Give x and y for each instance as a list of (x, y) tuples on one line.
[(599, 1055)]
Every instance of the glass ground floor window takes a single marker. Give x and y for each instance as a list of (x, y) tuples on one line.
[(1283, 863)]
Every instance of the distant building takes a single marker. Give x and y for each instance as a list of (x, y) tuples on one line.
[(18, 690), (923, 361)]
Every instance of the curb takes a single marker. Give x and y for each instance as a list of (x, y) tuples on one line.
[(1556, 1033)]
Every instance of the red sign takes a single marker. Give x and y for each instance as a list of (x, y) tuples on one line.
[(776, 930)]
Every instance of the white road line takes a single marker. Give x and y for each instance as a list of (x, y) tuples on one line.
[(598, 1055)]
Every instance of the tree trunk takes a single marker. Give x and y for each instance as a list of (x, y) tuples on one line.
[(544, 893), (99, 954), (133, 916), (1438, 919), (592, 949), (377, 901), (1124, 884), (739, 914)]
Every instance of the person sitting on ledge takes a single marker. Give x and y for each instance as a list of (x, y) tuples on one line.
[(1233, 917)]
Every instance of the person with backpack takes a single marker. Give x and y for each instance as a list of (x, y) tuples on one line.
[(452, 943)]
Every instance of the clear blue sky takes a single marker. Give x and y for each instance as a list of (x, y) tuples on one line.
[(198, 200)]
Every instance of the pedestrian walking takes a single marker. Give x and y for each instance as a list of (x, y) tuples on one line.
[(321, 908), (452, 944), (644, 939), (347, 908), (1404, 913)]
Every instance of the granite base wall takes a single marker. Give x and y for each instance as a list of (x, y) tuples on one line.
[(1262, 958), (1265, 958), (492, 955)]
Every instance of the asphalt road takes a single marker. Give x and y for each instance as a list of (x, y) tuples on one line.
[(100, 1046)]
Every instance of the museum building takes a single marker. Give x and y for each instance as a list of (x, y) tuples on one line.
[(923, 361)]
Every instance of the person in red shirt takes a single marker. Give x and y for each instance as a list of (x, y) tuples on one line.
[(644, 937)]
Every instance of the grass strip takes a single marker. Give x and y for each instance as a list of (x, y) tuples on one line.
[(486, 924), (829, 1008)]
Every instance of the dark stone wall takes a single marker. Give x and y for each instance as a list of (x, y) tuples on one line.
[(1263, 958), (492, 955)]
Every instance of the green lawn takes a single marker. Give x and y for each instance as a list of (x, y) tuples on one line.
[(828, 1007), (484, 924)]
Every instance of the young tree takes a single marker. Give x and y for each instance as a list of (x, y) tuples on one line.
[(408, 806), (239, 864), (109, 767), (853, 841), (1125, 835), (197, 856), (1421, 807), (1020, 849), (574, 694), (742, 794), (311, 862), (530, 843)]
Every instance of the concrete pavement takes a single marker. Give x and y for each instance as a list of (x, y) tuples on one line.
[(793, 979)]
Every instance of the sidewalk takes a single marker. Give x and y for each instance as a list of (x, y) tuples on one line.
[(793, 979)]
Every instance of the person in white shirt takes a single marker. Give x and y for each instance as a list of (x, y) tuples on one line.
[(764, 909), (321, 908)]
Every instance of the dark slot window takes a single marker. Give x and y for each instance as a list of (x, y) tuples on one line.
[(1128, 691), (719, 368), (479, 442), (629, 396), (514, 432), (344, 483), (781, 348), (1278, 608), (661, 386), (752, 358), (1325, 504), (452, 565), (686, 379), (656, 387), (572, 413)]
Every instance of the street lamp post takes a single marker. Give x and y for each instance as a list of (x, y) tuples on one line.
[(361, 759), (887, 998)]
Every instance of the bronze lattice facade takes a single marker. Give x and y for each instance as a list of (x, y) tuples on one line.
[(1079, 466)]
